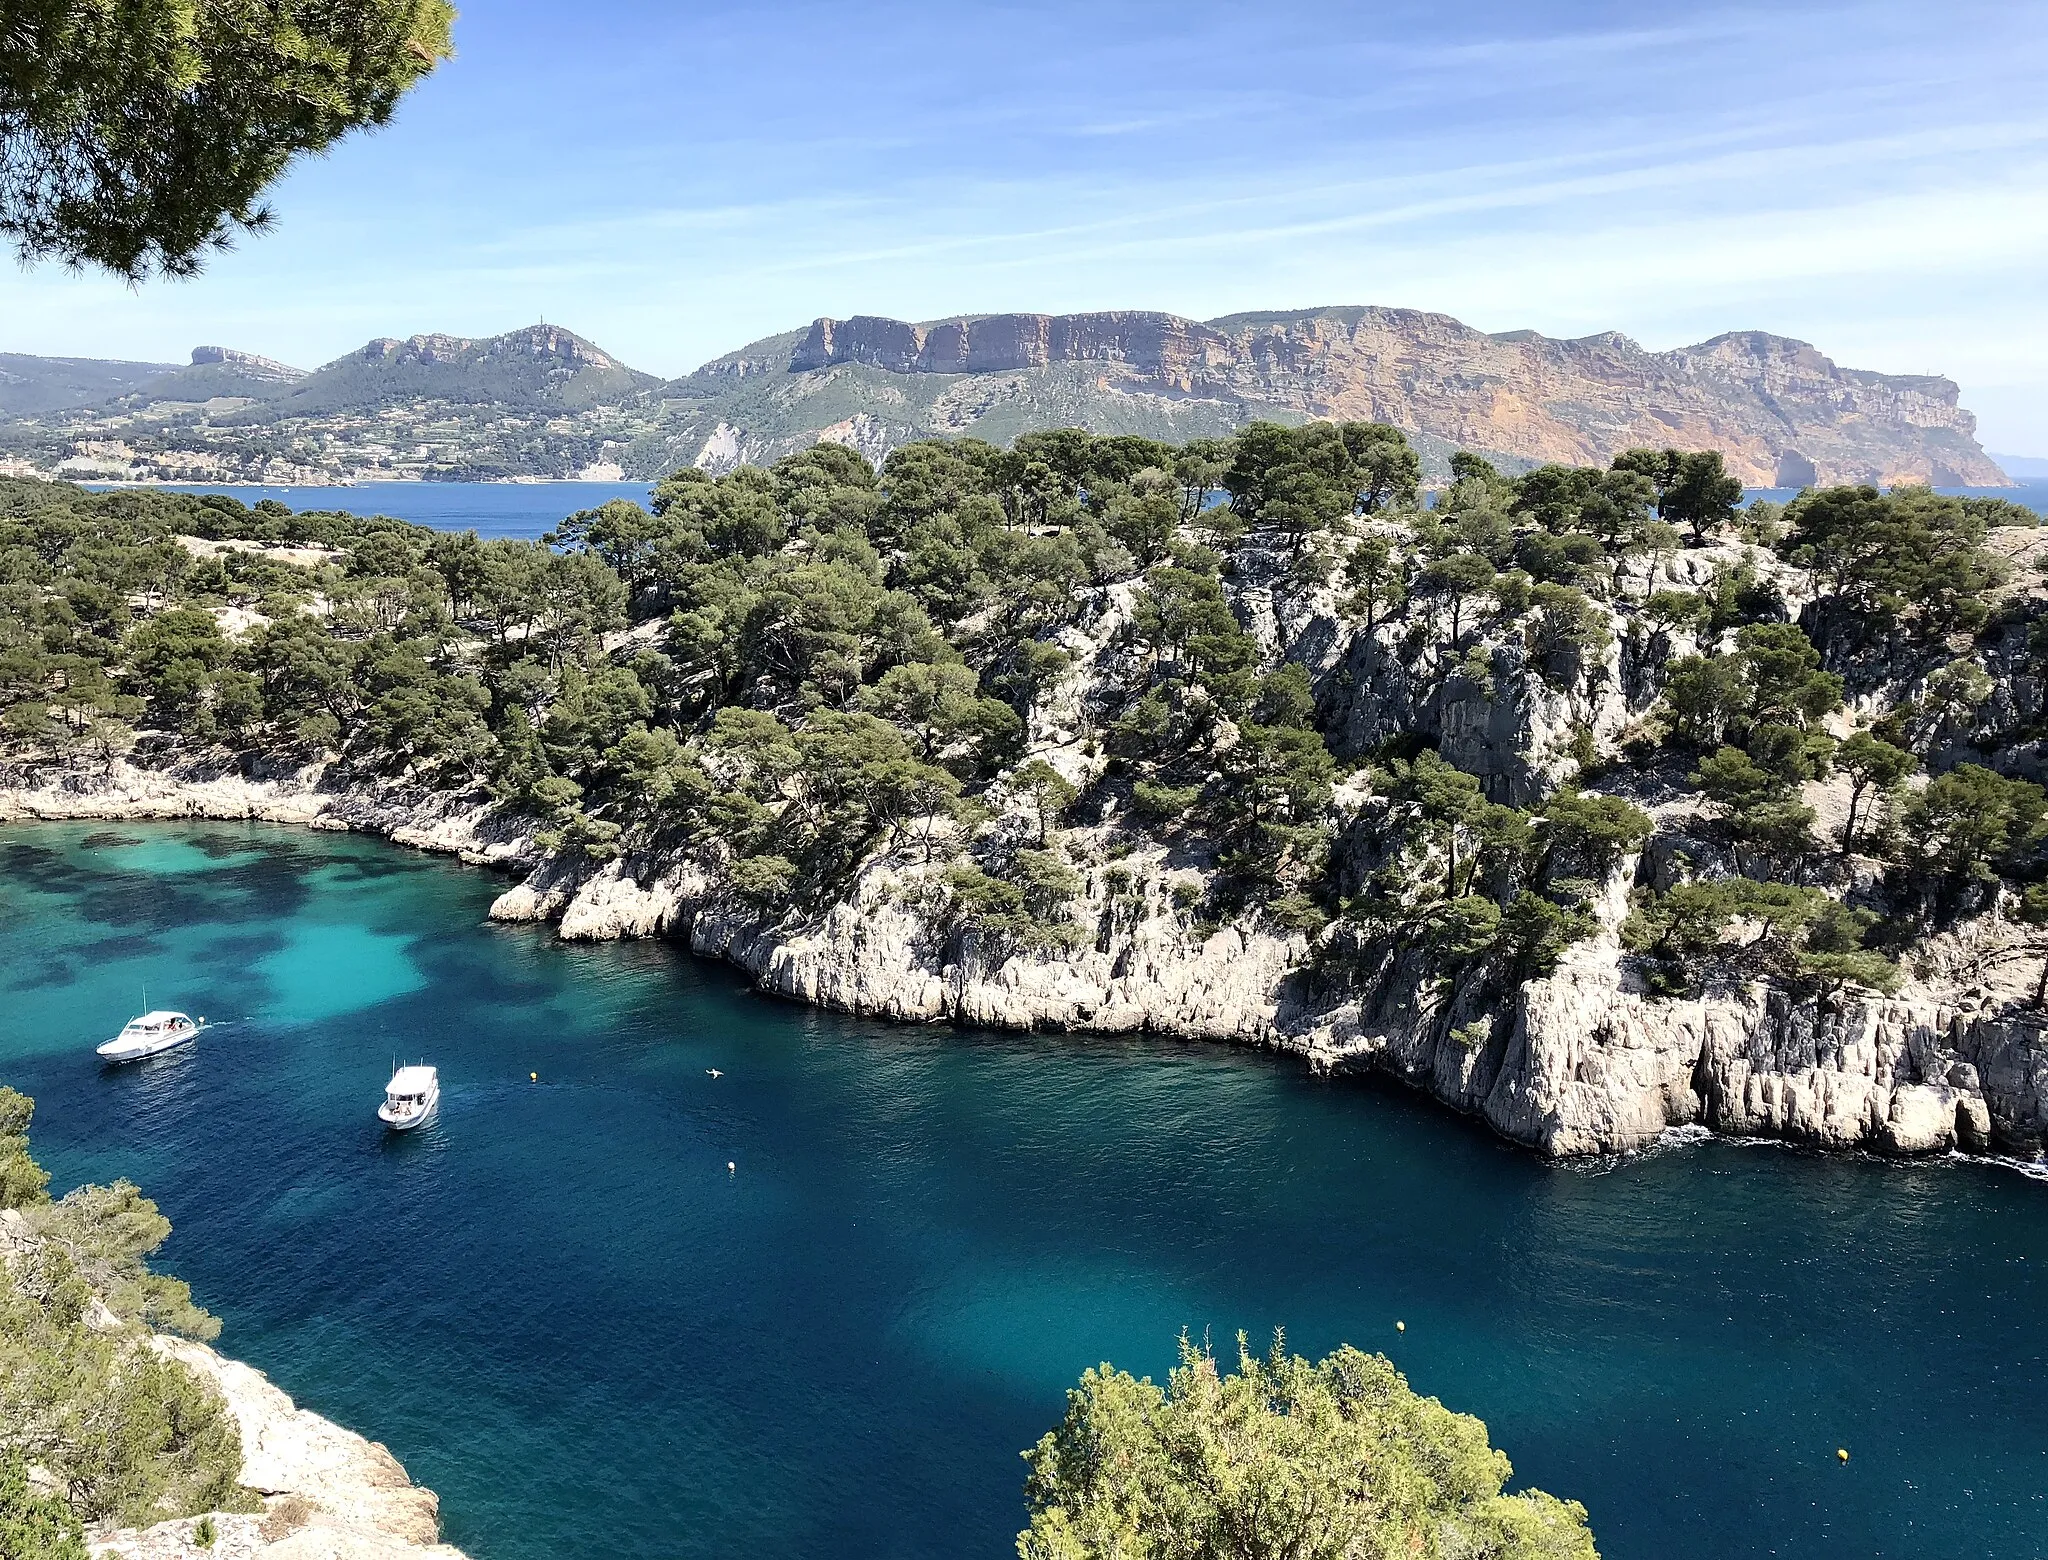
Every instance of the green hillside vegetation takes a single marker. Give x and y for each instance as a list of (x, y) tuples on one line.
[(40, 384), (1280, 1459), (202, 382), (787, 673), (779, 409), (94, 1424)]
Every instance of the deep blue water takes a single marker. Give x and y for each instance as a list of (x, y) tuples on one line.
[(2029, 492), (528, 509), (560, 1309), (491, 509)]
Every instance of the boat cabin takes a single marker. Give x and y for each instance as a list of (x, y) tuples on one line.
[(411, 1085), (158, 1023)]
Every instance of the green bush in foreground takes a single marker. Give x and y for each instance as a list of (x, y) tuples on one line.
[(112, 1428), (34, 1526), (1282, 1458)]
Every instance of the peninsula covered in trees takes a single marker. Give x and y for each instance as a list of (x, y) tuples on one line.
[(1252, 722)]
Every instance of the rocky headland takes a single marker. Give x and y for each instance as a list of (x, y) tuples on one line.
[(328, 1494), (311, 1490), (1737, 830)]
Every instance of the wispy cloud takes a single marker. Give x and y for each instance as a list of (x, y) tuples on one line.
[(1868, 176)]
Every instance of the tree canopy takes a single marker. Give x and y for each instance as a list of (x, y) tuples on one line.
[(140, 136), (1280, 1459), (1056, 686), (124, 1432)]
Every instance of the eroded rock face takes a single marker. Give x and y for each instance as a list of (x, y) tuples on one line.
[(874, 952), (1578, 1064), (1782, 412)]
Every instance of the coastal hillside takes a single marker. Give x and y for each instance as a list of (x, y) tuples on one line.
[(1587, 800), (31, 385), (539, 402), (122, 1429), (543, 402)]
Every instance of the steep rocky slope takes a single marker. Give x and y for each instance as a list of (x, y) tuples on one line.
[(1781, 412), (328, 1494)]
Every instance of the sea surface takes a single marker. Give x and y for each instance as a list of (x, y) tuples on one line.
[(2028, 492), (816, 1306), (522, 510), (529, 509)]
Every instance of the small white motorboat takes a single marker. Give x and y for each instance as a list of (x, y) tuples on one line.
[(410, 1098), (150, 1035)]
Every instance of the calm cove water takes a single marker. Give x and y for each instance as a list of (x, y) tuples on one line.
[(563, 1312)]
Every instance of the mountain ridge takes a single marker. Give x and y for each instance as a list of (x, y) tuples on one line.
[(543, 401)]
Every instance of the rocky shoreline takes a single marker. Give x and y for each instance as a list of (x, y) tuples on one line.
[(1578, 1063), (327, 1493)]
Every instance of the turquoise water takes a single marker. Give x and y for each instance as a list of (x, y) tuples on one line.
[(560, 1309)]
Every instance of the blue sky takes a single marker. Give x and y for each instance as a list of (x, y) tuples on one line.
[(673, 181)]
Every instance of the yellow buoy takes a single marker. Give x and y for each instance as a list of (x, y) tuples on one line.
[(1842, 1452), (534, 1076), (1400, 1327), (731, 1168)]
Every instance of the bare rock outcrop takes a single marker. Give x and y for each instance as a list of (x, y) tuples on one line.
[(1782, 412), (318, 794), (1578, 1063), (878, 950)]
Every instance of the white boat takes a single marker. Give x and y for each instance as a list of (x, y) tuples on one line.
[(149, 1035), (410, 1098)]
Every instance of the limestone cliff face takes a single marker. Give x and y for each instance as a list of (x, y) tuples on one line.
[(439, 406), (246, 363), (1782, 413), (1583, 1063), (876, 952), (1158, 346)]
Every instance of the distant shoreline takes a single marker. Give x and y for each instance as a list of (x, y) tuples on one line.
[(105, 484)]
